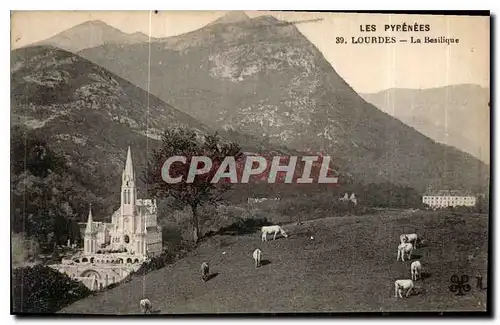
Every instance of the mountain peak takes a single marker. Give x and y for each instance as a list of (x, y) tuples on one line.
[(138, 34), (94, 23), (248, 83), (232, 17), (90, 34)]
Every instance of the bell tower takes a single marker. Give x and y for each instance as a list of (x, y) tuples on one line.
[(90, 240), (128, 196)]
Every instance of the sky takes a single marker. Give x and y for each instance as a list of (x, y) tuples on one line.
[(367, 68)]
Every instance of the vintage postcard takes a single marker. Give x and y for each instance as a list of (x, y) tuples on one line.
[(209, 162)]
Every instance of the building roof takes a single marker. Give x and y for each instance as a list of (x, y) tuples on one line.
[(448, 193), (90, 224), (129, 168)]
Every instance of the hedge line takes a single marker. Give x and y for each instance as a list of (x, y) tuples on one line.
[(41, 289)]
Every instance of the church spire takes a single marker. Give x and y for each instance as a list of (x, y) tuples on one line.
[(88, 229), (90, 244), (128, 199), (129, 168)]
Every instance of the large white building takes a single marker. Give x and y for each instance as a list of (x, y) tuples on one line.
[(448, 198), (133, 228), (113, 250)]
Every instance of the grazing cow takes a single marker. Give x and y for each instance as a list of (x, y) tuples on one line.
[(400, 285), (403, 249), (204, 271), (416, 270), (353, 199), (272, 229), (257, 256), (146, 306), (409, 238)]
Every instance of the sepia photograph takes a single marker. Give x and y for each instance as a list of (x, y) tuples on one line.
[(249, 162)]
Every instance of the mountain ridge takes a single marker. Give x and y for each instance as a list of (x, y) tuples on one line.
[(90, 116), (91, 34), (263, 77), (441, 113), (86, 112), (231, 17)]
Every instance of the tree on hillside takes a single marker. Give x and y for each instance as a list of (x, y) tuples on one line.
[(41, 289), (40, 209), (45, 195), (388, 195), (32, 154), (482, 204), (182, 142)]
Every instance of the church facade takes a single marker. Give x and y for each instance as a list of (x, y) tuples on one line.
[(134, 227), (113, 250)]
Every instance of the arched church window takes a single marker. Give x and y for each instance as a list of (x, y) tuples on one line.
[(125, 197), (126, 238)]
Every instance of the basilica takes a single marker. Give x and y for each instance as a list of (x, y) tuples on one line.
[(133, 228), (111, 251)]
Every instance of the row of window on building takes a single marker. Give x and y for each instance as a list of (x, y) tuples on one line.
[(444, 201)]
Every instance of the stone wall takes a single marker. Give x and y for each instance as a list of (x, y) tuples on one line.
[(97, 276)]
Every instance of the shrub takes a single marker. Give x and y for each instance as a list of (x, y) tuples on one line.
[(241, 227), (160, 261), (171, 235), (41, 289), (312, 207)]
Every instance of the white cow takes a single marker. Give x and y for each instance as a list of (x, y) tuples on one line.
[(416, 270), (257, 256), (146, 306), (353, 199), (409, 238), (204, 271), (272, 230), (400, 285), (403, 249)]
